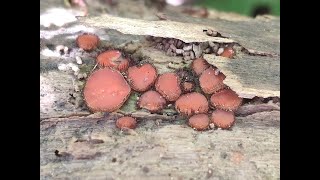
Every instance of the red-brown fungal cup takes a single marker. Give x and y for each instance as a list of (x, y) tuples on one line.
[(88, 42), (226, 99), (141, 78), (168, 85), (113, 59), (123, 65), (199, 122), (199, 65), (222, 119), (192, 103), (152, 101), (187, 87), (228, 52), (126, 122), (211, 81), (106, 90)]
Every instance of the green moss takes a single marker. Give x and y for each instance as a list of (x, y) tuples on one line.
[(131, 104), (84, 68)]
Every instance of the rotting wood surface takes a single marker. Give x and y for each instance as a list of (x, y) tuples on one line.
[(260, 35), (90, 148), (169, 29), (249, 75), (162, 147)]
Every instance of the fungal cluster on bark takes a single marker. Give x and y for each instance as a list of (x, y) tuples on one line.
[(191, 51), (198, 92)]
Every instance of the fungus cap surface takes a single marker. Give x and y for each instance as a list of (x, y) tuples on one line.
[(192, 103), (199, 122), (226, 99), (106, 90), (228, 52), (199, 65), (168, 85), (222, 119), (113, 59), (210, 82), (141, 78), (152, 101), (87, 41), (126, 122)]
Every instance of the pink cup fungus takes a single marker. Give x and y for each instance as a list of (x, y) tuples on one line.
[(192, 103), (113, 59), (141, 78), (199, 122), (226, 99), (126, 122), (228, 52), (187, 87), (152, 101), (88, 42), (199, 65), (168, 85), (222, 119), (211, 81), (106, 90)]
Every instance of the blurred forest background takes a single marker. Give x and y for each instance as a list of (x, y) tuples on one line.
[(245, 7)]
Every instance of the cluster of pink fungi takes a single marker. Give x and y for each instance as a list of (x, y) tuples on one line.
[(107, 90)]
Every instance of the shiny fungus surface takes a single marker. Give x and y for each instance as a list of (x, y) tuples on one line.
[(228, 52), (199, 122), (168, 85), (210, 81), (106, 90), (126, 122), (113, 59), (88, 41), (192, 103), (152, 101), (222, 119), (226, 99), (199, 65), (141, 78)]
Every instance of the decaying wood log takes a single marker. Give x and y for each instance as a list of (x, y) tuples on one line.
[(260, 35), (250, 76), (87, 148), (253, 74), (75, 144)]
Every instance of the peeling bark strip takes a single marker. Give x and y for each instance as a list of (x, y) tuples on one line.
[(261, 36), (246, 110), (170, 29), (257, 35), (250, 76)]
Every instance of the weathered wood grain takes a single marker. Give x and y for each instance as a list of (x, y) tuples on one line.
[(249, 75), (163, 146), (251, 150), (56, 89), (169, 29), (260, 34)]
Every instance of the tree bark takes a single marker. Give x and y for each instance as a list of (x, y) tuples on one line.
[(76, 144)]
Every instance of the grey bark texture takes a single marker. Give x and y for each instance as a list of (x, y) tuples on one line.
[(76, 144)]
